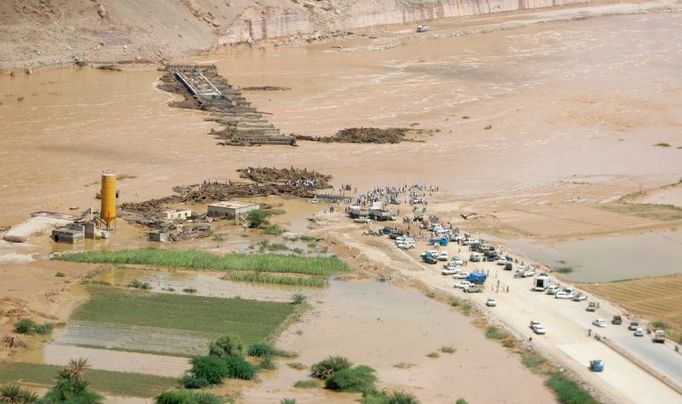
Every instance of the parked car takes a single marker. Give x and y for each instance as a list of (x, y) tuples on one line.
[(634, 325), (597, 365), (502, 261), (457, 261), (460, 275), (580, 297), (474, 288), (639, 332), (462, 284), (539, 329), (508, 266), (592, 306), (617, 320), (443, 256), (475, 257), (491, 302), (600, 322), (448, 270), (563, 295), (533, 323), (552, 289)]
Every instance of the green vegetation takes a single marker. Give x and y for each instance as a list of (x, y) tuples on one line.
[(20, 98), (384, 397), (328, 367), (296, 365), (226, 346), (267, 363), (187, 397), (116, 383), (60, 275), (646, 210), (308, 239), (258, 217), (359, 379), (224, 360), (189, 290), (260, 277), (299, 298), (262, 349), (534, 362), (272, 229), (139, 284), (658, 324), (252, 320), (193, 259), (71, 386), (564, 270), (461, 401), (662, 144), (30, 327), (568, 391), (448, 349), (462, 305), (13, 394), (494, 332), (433, 355), (307, 384), (288, 401)]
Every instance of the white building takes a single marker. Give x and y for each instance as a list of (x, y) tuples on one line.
[(231, 209), (173, 214)]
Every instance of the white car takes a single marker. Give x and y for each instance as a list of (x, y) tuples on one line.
[(552, 289), (580, 297), (600, 322), (443, 256), (538, 329), (432, 253), (639, 332), (463, 284), (502, 261), (457, 261), (460, 275), (448, 270), (491, 302), (533, 323), (563, 295)]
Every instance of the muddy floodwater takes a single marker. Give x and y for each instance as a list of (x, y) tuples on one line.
[(393, 330), (605, 259), (615, 91)]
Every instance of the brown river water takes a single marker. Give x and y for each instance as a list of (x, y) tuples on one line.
[(581, 98)]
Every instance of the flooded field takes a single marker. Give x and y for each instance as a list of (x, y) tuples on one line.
[(393, 330), (604, 259)]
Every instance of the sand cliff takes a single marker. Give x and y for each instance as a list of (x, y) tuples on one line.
[(42, 32)]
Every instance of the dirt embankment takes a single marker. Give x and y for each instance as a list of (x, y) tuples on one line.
[(44, 32), (370, 135)]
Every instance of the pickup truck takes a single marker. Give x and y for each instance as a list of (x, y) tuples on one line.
[(659, 336), (474, 288)]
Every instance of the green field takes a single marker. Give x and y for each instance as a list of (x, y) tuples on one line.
[(103, 381), (261, 277), (250, 319), (193, 259)]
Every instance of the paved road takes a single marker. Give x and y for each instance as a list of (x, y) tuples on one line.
[(566, 323)]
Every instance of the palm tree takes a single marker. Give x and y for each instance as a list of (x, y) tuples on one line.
[(75, 369), (13, 394)]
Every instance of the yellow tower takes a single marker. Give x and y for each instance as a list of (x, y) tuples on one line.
[(108, 211)]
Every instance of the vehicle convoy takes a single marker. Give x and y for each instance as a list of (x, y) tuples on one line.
[(633, 325), (597, 365), (541, 283), (659, 336), (639, 332)]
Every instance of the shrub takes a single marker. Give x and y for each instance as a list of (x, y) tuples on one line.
[(461, 401), (299, 298), (187, 397), (25, 326), (189, 290), (384, 397), (272, 229), (296, 365), (564, 270), (139, 284), (262, 349), (567, 391), (30, 327), (661, 325), (209, 368), (258, 218), (71, 387), (227, 346), (328, 367), (267, 363), (433, 355), (494, 332), (288, 401), (60, 274), (192, 382), (239, 368), (306, 384), (14, 394), (448, 349), (359, 379)]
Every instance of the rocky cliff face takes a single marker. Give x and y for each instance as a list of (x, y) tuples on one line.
[(37, 32)]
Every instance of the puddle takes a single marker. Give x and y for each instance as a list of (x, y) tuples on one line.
[(605, 259)]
